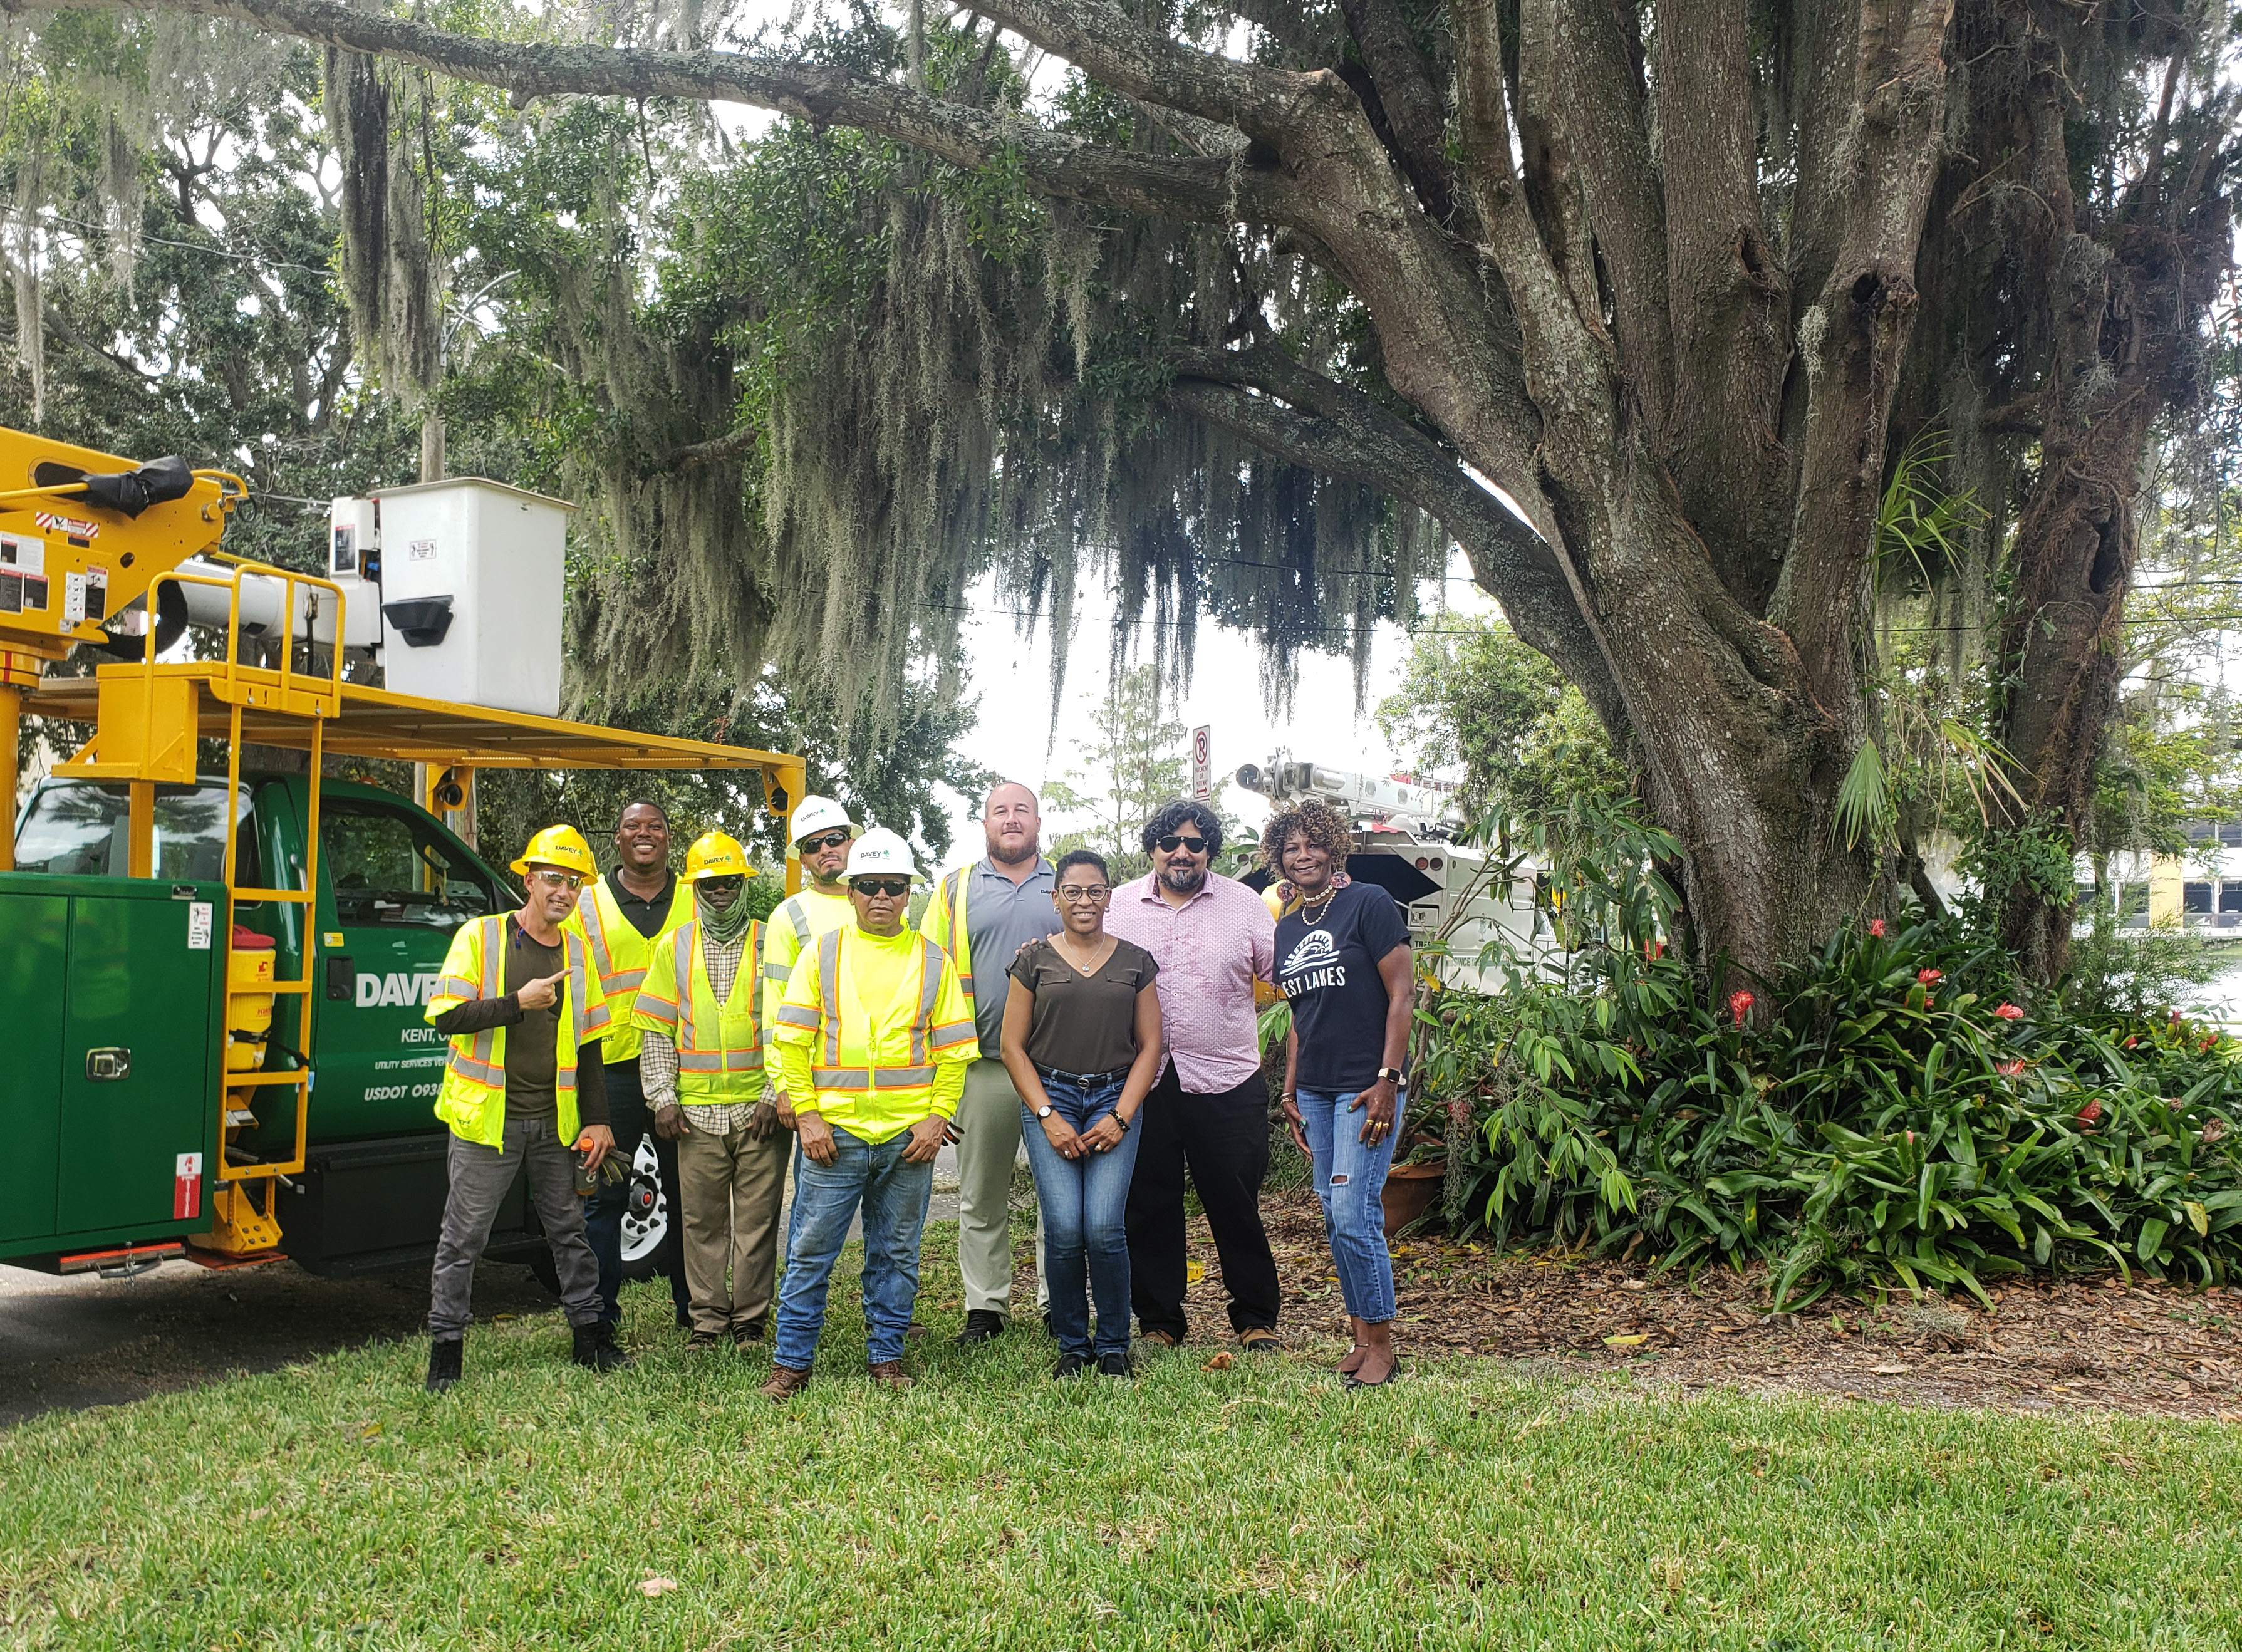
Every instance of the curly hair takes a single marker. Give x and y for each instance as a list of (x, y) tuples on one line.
[(1172, 818), (1319, 823)]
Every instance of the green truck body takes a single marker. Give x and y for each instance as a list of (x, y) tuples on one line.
[(112, 1109)]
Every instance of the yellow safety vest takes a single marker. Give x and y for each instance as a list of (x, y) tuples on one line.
[(799, 920), (473, 1098), (945, 923), (619, 955), (863, 1080), (720, 1047)]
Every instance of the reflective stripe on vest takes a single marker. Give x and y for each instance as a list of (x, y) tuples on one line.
[(480, 1063), (689, 966), (961, 943), (596, 914), (871, 1077)]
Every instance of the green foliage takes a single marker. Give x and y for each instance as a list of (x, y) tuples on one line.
[(1125, 759), (1475, 701), (1891, 1120)]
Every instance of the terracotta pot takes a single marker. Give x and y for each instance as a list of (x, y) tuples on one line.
[(1409, 1192)]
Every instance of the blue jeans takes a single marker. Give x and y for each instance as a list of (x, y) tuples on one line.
[(1350, 1174), (1085, 1204), (894, 1197)]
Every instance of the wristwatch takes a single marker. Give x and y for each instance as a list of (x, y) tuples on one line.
[(1044, 1111), (1391, 1075)]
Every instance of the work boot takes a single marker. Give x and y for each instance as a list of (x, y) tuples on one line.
[(444, 1363), (595, 1349), (745, 1331), (703, 1342), (981, 1325), (888, 1374), (785, 1383)]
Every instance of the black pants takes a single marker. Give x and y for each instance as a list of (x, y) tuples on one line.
[(629, 1118), (1225, 1139)]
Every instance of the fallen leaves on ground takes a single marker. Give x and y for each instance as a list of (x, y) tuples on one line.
[(2087, 1341)]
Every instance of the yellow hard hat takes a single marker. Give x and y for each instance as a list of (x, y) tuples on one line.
[(560, 846), (716, 855)]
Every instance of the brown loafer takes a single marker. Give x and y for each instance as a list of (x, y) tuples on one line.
[(785, 1383), (889, 1374), (1161, 1339)]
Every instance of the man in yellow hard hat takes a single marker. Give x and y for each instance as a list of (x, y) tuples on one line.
[(621, 916), (523, 1090), (818, 834), (873, 1040), (702, 1065)]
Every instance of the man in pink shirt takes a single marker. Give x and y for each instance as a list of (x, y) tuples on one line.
[(1214, 938)]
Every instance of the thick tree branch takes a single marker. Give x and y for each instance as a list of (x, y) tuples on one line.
[(1206, 189), (1414, 117)]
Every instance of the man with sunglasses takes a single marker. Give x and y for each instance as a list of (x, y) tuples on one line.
[(988, 911), (621, 917), (1212, 939), (819, 834), (523, 1092), (872, 1041)]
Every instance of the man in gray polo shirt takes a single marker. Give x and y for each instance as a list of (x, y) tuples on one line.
[(983, 914)]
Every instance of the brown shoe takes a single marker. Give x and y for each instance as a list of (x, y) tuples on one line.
[(889, 1374), (1161, 1339), (785, 1383), (1259, 1339)]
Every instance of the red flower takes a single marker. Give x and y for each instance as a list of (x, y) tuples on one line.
[(1877, 928), (2175, 1016), (2010, 1069), (1928, 978), (1930, 1003), (2009, 1012), (1910, 1135), (1739, 1005), (2090, 1112), (2130, 1042)]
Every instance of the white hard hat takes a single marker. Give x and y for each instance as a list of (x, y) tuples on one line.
[(814, 815), (880, 850)]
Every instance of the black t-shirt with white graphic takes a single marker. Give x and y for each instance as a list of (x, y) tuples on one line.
[(1328, 972)]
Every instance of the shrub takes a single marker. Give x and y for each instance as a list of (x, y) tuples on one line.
[(1895, 1116)]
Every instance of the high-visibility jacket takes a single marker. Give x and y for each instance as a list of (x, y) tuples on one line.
[(875, 1069), (472, 1099), (945, 923), (619, 955), (720, 1046), (799, 920)]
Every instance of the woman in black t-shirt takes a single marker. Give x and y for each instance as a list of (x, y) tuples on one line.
[(1082, 1041), (1343, 963)]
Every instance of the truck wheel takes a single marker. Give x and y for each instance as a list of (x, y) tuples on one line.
[(646, 1216)]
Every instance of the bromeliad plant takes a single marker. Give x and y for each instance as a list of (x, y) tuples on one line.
[(1892, 1118)]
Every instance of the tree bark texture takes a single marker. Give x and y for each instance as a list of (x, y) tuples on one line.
[(1659, 275)]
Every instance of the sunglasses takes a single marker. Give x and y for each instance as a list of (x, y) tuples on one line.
[(833, 839), (1195, 845), (890, 887), (558, 880), (1074, 895), (719, 885)]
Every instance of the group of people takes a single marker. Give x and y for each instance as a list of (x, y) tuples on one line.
[(1114, 1028)]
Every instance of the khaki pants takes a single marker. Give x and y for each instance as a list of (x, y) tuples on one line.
[(988, 1147), (731, 1186)]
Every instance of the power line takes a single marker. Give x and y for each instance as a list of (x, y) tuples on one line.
[(80, 227)]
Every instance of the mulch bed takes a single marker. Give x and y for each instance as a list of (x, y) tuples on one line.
[(2086, 1342)]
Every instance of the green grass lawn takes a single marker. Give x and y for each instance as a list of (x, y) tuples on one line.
[(335, 1505)]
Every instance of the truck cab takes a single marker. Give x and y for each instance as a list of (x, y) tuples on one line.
[(394, 884)]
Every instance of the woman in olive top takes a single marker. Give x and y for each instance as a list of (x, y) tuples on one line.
[(1082, 1041), (1343, 963)]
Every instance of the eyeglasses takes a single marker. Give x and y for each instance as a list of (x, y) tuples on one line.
[(1195, 845), (888, 886), (1075, 894), (559, 880), (823, 841)]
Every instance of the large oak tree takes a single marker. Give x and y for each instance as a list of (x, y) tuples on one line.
[(1681, 280)]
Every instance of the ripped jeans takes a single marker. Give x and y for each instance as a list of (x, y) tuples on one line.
[(1350, 1174)]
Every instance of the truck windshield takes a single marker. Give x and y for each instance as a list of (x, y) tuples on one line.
[(84, 827), (387, 867)]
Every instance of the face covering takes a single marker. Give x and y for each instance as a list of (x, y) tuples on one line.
[(724, 928)]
